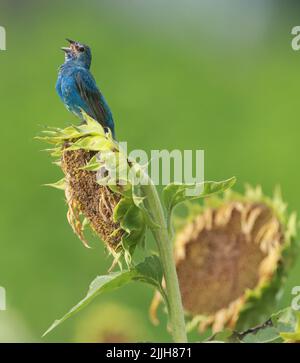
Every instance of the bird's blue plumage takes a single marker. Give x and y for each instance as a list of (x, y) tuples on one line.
[(77, 87)]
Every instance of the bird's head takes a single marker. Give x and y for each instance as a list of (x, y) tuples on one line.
[(78, 52)]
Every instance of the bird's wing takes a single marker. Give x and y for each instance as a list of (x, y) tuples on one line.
[(91, 95)]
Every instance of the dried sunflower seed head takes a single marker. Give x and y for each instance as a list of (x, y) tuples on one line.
[(231, 259), (89, 158), (85, 196)]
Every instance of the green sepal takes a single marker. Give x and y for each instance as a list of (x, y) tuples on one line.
[(60, 184), (91, 143), (132, 221)]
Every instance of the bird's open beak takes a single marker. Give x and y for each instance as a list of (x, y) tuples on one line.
[(66, 50), (72, 46)]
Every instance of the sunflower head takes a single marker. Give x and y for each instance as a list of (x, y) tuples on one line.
[(91, 161), (85, 196), (231, 258)]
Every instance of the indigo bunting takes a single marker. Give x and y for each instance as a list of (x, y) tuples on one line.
[(77, 87)]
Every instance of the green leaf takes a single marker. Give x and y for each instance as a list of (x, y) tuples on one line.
[(149, 271), (287, 322), (132, 221), (260, 303), (264, 335), (174, 194), (61, 184), (121, 208), (282, 326)]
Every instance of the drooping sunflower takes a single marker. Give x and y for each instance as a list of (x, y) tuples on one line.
[(232, 258), (93, 165)]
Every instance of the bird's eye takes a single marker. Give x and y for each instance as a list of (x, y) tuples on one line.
[(81, 49)]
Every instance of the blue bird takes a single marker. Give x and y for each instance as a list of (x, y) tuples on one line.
[(77, 87)]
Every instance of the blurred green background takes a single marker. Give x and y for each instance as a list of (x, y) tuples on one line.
[(213, 75)]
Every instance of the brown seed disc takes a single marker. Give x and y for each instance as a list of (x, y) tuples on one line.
[(223, 253), (94, 201)]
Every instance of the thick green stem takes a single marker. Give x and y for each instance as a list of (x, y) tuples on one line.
[(161, 235)]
